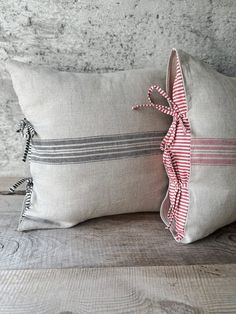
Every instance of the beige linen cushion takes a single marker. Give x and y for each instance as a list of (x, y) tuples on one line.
[(90, 155), (202, 188)]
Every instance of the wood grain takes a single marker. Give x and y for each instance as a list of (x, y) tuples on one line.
[(173, 290), (78, 270), (122, 240)]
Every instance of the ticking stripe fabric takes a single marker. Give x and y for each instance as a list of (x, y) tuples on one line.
[(199, 148), (27, 131), (176, 146), (201, 163), (89, 154), (96, 148), (176, 159), (29, 189)]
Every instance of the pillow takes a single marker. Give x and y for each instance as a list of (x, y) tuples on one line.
[(89, 155), (199, 148)]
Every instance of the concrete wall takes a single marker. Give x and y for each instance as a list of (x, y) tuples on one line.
[(100, 35)]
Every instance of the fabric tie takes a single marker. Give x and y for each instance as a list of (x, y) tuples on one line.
[(28, 132), (173, 111), (173, 210), (28, 191), (167, 142)]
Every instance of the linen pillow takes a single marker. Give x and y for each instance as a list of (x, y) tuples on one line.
[(89, 155), (199, 148)]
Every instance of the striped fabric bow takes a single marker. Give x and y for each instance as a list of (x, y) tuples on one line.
[(28, 132), (176, 186), (28, 190), (172, 111)]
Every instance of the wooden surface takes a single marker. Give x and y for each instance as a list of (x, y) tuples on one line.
[(116, 264), (122, 240), (158, 289)]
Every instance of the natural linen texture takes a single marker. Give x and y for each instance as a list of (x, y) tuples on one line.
[(201, 161), (199, 148), (89, 154)]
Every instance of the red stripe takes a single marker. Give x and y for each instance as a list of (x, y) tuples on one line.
[(214, 162), (208, 148), (213, 152), (210, 156), (213, 141), (177, 160)]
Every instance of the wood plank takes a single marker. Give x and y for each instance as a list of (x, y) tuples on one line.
[(161, 289), (122, 240)]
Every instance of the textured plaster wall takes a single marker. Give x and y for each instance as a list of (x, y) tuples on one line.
[(105, 35)]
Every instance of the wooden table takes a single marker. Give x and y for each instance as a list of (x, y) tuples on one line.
[(116, 264)]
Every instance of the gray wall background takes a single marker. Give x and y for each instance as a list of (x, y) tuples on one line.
[(105, 35)]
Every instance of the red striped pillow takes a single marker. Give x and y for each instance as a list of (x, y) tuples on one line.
[(199, 148), (177, 158), (201, 163)]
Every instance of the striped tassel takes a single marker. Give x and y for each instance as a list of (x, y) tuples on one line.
[(28, 132), (29, 189)]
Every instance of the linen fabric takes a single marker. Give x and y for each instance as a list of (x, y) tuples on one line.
[(90, 156), (201, 158)]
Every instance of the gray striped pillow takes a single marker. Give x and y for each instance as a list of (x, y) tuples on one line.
[(90, 155)]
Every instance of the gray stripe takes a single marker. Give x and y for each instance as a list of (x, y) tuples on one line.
[(96, 152), (95, 158), (98, 139), (41, 146), (96, 148)]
